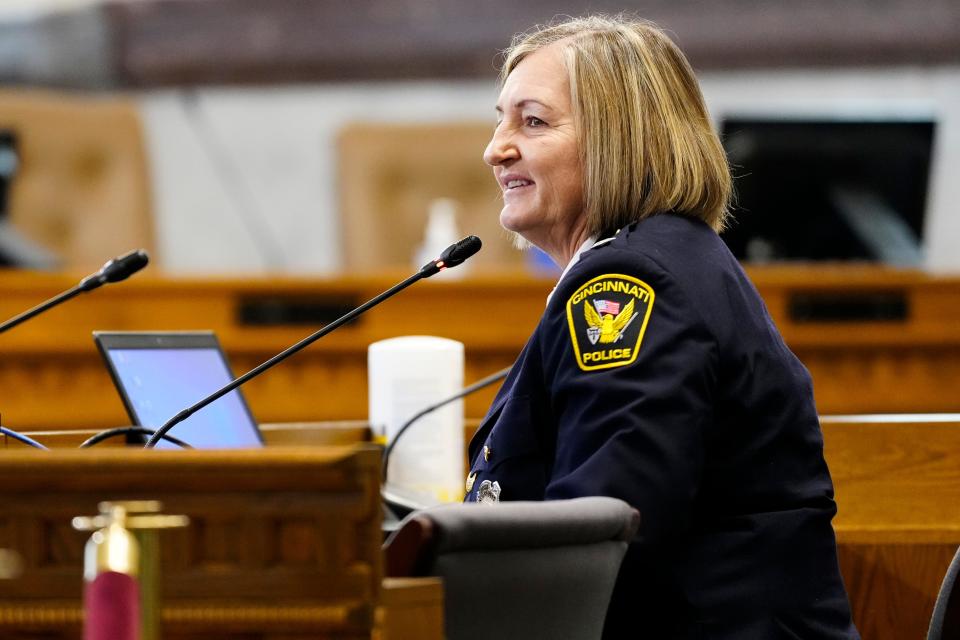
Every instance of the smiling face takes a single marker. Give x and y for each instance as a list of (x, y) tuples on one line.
[(535, 156)]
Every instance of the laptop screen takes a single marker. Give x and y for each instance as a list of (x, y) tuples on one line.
[(159, 375)]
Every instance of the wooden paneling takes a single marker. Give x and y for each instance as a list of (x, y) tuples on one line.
[(281, 543), (52, 378), (898, 522), (877, 366), (897, 481), (410, 609)]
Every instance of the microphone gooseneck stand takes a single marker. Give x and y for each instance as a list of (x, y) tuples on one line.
[(40, 308), (476, 386), (121, 431), (115, 270), (452, 256), (10, 433)]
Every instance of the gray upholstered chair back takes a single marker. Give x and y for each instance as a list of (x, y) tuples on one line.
[(945, 623), (519, 570)]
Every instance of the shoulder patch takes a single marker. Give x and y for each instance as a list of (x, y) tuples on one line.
[(607, 318)]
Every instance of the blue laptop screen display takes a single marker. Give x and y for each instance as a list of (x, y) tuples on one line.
[(160, 383)]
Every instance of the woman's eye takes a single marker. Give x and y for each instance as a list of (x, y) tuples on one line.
[(533, 121)]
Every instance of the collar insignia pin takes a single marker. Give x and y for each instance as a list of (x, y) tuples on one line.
[(470, 480)]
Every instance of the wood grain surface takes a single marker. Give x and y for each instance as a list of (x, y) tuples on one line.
[(51, 376), (281, 543), (897, 480), (898, 521)]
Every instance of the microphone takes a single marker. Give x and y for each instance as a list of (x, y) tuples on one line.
[(116, 270), (113, 271), (455, 253), (476, 386)]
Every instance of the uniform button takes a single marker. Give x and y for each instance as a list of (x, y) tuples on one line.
[(486, 454), (470, 480)]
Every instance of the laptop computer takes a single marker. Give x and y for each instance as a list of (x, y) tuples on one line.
[(160, 374)]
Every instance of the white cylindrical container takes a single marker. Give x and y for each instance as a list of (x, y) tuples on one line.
[(406, 375), (441, 232)]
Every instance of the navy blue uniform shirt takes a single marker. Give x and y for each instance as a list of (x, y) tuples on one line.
[(657, 376)]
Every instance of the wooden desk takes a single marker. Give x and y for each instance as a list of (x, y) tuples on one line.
[(51, 375), (293, 434), (282, 542), (410, 609), (897, 483)]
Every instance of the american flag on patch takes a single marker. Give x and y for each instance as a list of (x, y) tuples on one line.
[(607, 306)]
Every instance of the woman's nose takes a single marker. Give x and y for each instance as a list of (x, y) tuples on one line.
[(501, 149)]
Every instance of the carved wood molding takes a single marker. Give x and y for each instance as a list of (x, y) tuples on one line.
[(188, 617), (280, 540), (50, 615)]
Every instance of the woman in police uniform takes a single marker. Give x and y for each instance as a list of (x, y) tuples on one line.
[(655, 375)]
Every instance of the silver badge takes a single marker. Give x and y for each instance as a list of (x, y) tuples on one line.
[(489, 492)]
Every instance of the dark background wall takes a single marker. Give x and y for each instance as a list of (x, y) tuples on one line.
[(177, 41), (182, 42)]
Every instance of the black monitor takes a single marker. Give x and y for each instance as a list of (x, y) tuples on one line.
[(818, 189), (16, 250)]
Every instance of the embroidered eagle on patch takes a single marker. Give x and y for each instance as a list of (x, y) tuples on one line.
[(604, 327), (607, 318)]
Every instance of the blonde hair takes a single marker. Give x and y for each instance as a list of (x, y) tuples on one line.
[(646, 142)]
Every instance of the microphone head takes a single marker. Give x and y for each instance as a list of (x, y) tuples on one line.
[(125, 266), (459, 251), (453, 255)]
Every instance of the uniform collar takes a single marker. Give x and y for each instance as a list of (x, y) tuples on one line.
[(588, 244)]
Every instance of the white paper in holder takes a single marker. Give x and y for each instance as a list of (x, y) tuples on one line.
[(405, 376)]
